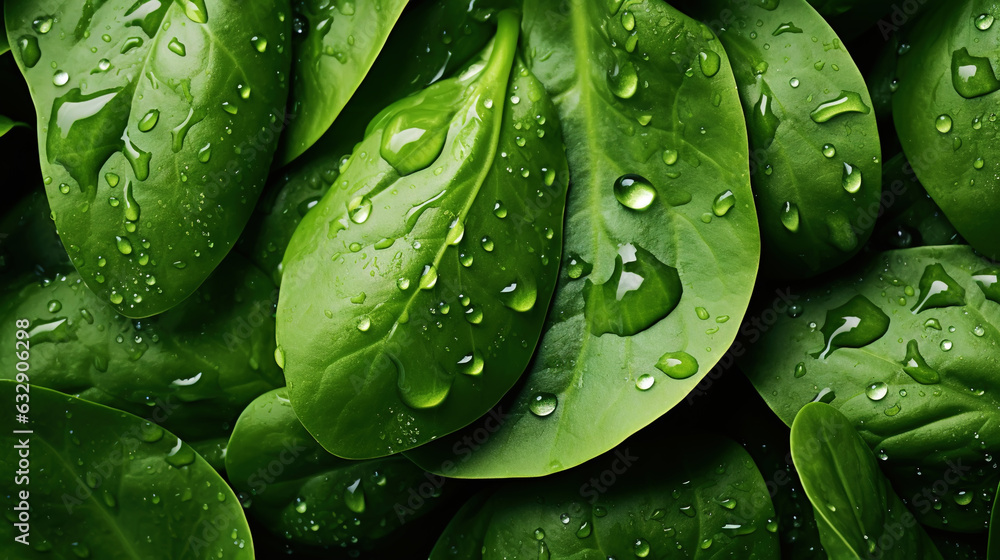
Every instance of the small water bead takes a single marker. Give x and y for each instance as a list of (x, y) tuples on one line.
[(979, 163), (487, 244), (244, 91), (723, 203), (943, 124), (259, 43), (670, 156), (790, 216), (678, 365), (634, 192), (800, 370), (877, 391), (851, 180), (963, 498), (60, 78), (124, 245), (177, 47), (845, 102), (623, 80), (640, 548), (710, 62), (149, 120), (539, 534), (205, 153), (984, 22), (359, 208), (543, 404), (645, 382), (829, 150), (428, 278), (794, 82), (979, 331), (946, 345), (229, 108), (64, 188), (364, 323), (499, 210)]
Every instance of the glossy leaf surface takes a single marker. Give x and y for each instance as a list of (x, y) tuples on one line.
[(660, 195), (336, 43), (814, 144), (192, 369), (437, 251), (319, 499), (858, 513), (156, 126), (711, 502), (106, 484), (922, 393), (947, 92)]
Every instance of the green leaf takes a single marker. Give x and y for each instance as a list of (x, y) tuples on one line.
[(192, 369), (433, 285), (318, 499), (157, 123), (596, 378), (6, 124), (858, 513), (923, 395), (106, 484), (416, 55), (814, 143), (708, 501), (336, 46), (947, 92)]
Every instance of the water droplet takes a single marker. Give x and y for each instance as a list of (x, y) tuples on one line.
[(471, 364), (628, 20), (723, 203), (971, 76), (149, 120), (414, 138), (354, 497), (846, 102), (519, 296), (499, 210), (27, 45), (916, 367), (978, 163), (60, 78), (678, 365), (364, 323), (786, 28), (132, 209), (984, 22), (623, 80), (428, 278), (205, 153), (764, 122), (543, 404), (634, 191), (539, 534), (230, 108), (794, 82), (645, 382), (177, 47), (877, 391), (938, 289), (359, 208), (710, 62), (829, 150), (979, 331), (124, 245), (851, 180), (943, 124), (640, 548), (487, 244), (946, 345), (790, 216), (855, 324), (195, 10), (641, 291), (670, 156), (42, 25)]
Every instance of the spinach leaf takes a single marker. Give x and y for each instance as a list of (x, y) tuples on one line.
[(335, 45), (708, 501), (859, 515), (440, 37), (106, 484), (192, 369), (814, 143), (660, 201), (316, 498), (942, 110), (436, 253), (6, 124), (156, 126), (905, 347)]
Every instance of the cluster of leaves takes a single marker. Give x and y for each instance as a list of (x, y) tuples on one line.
[(294, 277)]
